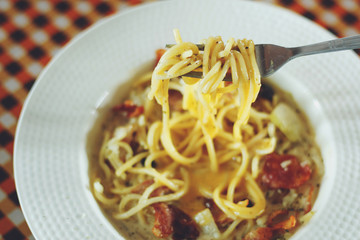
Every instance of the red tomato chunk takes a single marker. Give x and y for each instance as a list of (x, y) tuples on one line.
[(170, 220), (284, 171)]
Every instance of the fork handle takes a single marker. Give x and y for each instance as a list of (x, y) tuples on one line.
[(328, 46)]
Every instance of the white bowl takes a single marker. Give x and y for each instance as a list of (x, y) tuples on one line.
[(50, 156)]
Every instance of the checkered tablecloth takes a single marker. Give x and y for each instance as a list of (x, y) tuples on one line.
[(32, 32)]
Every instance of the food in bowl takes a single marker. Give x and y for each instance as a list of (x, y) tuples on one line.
[(188, 158)]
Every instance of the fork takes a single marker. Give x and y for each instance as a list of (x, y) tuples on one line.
[(270, 57)]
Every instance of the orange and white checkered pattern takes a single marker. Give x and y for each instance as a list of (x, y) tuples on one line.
[(31, 32)]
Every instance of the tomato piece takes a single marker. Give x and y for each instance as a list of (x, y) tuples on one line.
[(163, 220), (308, 200), (271, 221), (133, 2), (286, 224), (261, 233), (160, 191), (159, 54), (130, 108), (284, 171), (170, 220)]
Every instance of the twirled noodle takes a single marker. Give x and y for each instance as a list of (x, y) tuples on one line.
[(208, 148), (202, 99)]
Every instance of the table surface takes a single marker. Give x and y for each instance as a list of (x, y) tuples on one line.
[(32, 32)]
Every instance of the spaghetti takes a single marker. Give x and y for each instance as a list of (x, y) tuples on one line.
[(203, 151)]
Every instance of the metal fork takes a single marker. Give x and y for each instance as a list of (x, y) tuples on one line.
[(271, 58)]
